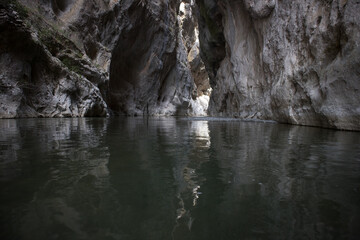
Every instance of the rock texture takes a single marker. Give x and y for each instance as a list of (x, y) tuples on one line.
[(70, 58), (42, 73), (148, 72), (211, 36), (290, 61), (188, 23), (152, 71)]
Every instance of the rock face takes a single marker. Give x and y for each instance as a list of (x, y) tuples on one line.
[(152, 71), (211, 36), (188, 23), (148, 72), (41, 71), (71, 58), (291, 61)]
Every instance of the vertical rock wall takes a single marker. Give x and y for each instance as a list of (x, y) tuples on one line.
[(291, 61), (92, 58), (156, 67), (188, 22), (148, 72), (42, 73)]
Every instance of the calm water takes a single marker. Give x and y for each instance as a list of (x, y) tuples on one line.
[(174, 178)]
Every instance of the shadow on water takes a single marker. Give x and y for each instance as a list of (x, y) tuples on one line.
[(168, 178)]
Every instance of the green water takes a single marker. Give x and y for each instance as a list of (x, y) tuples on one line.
[(175, 178)]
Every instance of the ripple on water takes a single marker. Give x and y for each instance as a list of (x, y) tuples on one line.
[(186, 178)]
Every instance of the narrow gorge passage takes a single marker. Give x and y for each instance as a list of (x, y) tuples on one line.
[(162, 119), (291, 62), (132, 63), (156, 69)]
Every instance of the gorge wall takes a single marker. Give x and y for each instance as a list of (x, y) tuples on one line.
[(291, 61), (74, 58), (43, 71)]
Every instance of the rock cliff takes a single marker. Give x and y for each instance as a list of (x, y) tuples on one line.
[(42, 72), (74, 58), (291, 61)]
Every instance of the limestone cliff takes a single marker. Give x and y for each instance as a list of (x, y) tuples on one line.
[(151, 71), (42, 73), (291, 61), (70, 58)]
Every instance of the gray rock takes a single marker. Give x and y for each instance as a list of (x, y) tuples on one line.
[(296, 63), (130, 54), (211, 36), (259, 8), (148, 72), (291, 61), (33, 83)]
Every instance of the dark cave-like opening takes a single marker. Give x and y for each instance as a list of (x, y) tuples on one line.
[(128, 62), (143, 75), (60, 5)]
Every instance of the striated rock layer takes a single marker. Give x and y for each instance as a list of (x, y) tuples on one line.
[(291, 61)]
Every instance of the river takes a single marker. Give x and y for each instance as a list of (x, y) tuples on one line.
[(177, 178)]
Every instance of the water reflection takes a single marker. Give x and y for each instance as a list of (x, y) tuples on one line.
[(287, 181), (171, 178), (48, 176), (188, 180)]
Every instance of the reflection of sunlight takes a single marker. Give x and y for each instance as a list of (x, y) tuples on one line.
[(183, 213), (187, 174), (201, 131), (189, 181), (190, 177), (196, 194)]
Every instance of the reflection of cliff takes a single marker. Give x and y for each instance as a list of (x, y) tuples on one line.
[(140, 167), (187, 176), (287, 181), (167, 178), (158, 184), (58, 170)]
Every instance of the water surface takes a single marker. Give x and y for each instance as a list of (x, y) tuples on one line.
[(176, 178)]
